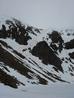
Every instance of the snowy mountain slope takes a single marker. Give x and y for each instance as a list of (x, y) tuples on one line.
[(34, 56)]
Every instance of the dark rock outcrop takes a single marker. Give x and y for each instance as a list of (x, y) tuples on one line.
[(50, 50), (15, 31), (9, 80), (14, 63), (70, 44), (71, 55), (45, 53), (56, 38)]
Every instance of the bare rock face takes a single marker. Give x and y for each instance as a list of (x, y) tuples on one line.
[(9, 80), (15, 31), (56, 39), (70, 44), (46, 54), (71, 55), (34, 56)]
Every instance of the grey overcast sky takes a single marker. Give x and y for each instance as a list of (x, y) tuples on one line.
[(40, 13)]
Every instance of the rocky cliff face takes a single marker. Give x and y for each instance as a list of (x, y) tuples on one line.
[(36, 56)]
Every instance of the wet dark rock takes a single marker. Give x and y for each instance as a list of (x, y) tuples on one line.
[(47, 55)]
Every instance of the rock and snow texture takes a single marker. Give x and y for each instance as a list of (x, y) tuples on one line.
[(35, 56)]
